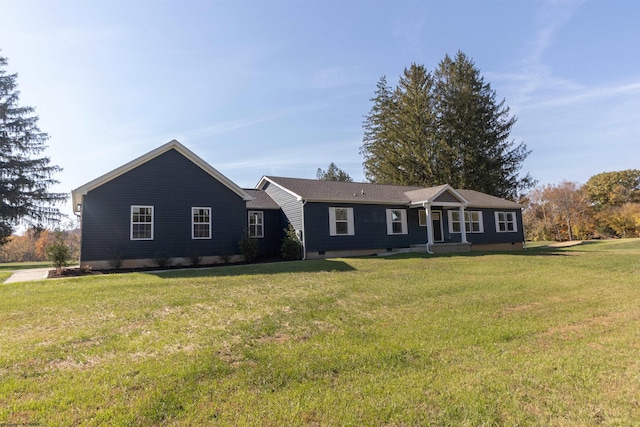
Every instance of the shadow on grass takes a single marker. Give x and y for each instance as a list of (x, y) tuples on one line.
[(538, 251), (308, 266)]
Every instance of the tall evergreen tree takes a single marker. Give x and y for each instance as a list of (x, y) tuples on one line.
[(399, 131), (443, 128), (475, 128), (24, 176), (333, 173)]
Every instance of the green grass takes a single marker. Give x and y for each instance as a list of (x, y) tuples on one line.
[(540, 337), (12, 266)]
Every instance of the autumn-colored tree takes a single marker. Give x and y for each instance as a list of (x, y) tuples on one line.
[(558, 212), (611, 189), (623, 221), (32, 245)]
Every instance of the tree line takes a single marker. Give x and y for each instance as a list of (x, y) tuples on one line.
[(33, 245), (607, 205)]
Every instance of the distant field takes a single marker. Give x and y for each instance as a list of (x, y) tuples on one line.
[(539, 337)]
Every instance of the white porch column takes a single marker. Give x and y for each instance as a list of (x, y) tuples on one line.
[(463, 225), (427, 208)]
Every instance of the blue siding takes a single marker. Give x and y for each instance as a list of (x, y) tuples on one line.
[(490, 235), (370, 224), (172, 184), (274, 224)]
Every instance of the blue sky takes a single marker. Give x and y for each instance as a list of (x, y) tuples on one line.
[(281, 87)]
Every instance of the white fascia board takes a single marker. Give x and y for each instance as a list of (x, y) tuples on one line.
[(264, 179), (78, 193), (431, 203)]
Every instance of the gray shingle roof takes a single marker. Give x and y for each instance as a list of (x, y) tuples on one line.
[(482, 200), (347, 192), (358, 192), (261, 200)]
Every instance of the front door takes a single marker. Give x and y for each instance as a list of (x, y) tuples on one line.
[(436, 222)]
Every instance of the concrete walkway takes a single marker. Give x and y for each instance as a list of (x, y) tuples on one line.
[(28, 275)]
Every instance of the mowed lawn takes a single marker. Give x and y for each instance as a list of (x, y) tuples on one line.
[(542, 337)]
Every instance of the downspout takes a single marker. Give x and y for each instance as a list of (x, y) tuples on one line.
[(524, 234), (304, 234), (427, 209), (79, 215)]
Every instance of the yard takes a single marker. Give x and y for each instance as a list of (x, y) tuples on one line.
[(549, 336)]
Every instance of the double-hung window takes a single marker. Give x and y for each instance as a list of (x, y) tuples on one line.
[(422, 217), (506, 222), (472, 222), (141, 222), (396, 221), (341, 222), (200, 223), (256, 224)]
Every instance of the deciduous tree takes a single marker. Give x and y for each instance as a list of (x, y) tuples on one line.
[(558, 212), (609, 189)]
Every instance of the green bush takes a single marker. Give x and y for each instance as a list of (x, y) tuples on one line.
[(248, 247), (161, 259), (291, 246), (58, 252)]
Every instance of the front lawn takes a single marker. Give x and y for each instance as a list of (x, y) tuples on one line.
[(547, 336)]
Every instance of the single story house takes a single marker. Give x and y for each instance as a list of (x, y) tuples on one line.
[(171, 204)]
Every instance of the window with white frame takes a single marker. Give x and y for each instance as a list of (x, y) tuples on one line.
[(506, 222), (396, 221), (141, 222), (256, 224), (472, 222), (341, 222), (200, 223), (422, 217)]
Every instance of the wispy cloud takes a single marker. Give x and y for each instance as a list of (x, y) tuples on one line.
[(532, 73), (590, 95)]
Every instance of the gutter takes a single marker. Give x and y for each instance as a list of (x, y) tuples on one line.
[(304, 234)]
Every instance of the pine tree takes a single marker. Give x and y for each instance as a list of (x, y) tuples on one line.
[(24, 176), (333, 173), (398, 141), (445, 128), (474, 127)]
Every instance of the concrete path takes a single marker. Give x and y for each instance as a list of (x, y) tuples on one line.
[(29, 275)]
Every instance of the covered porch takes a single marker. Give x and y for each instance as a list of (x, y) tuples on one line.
[(435, 204)]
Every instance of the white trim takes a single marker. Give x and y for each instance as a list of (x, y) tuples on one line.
[(420, 222), (435, 213), (78, 194), (514, 221), (141, 222), (261, 223), (333, 222), (470, 231), (432, 198), (264, 179), (193, 223), (402, 221)]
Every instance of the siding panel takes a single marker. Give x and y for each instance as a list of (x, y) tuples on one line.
[(172, 184), (291, 207), (370, 222)]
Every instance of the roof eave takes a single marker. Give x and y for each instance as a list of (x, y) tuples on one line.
[(81, 191)]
